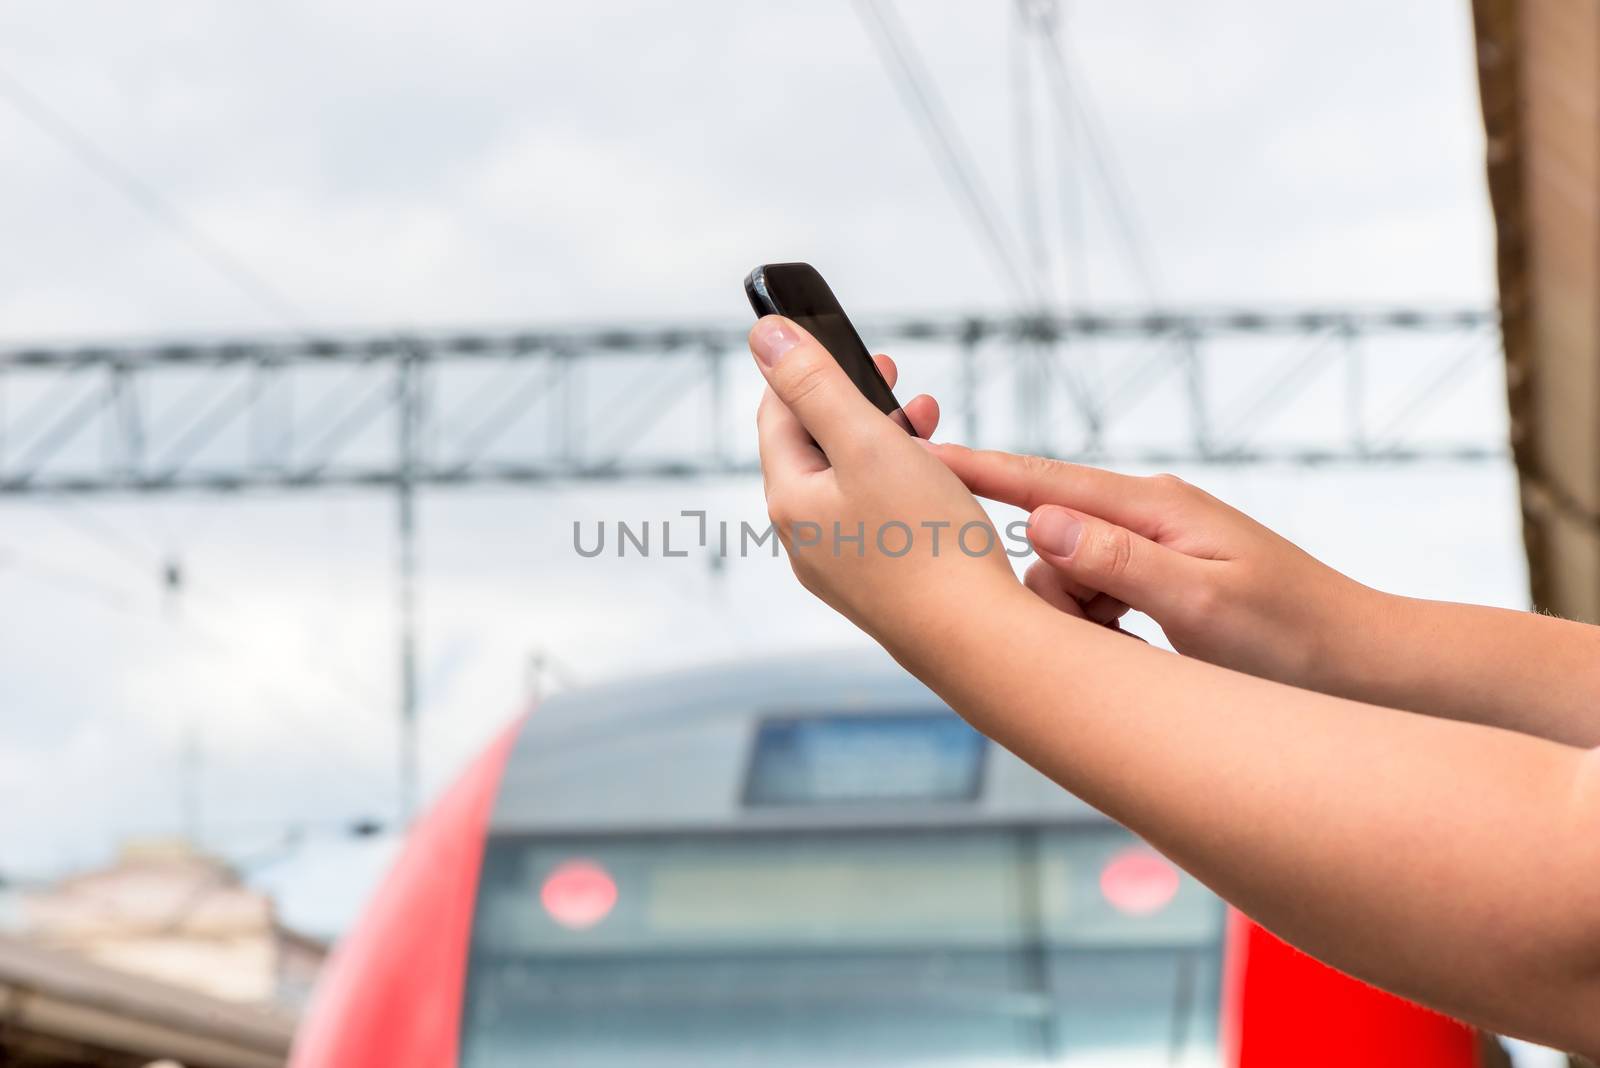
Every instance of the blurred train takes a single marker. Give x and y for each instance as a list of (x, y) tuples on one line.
[(811, 862)]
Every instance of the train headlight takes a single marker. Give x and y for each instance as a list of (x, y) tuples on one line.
[(1139, 881), (578, 894)]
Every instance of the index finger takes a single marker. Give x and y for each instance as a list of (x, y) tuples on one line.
[(1030, 481)]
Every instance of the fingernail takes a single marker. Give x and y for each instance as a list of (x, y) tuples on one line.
[(1055, 531), (774, 336)]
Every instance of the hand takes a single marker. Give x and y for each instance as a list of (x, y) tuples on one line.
[(1051, 585), (835, 469), (1224, 588)]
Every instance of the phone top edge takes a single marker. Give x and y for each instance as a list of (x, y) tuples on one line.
[(759, 292), (755, 290)]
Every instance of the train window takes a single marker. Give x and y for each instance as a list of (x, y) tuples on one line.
[(807, 760), (993, 946)]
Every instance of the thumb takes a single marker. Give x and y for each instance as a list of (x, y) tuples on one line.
[(1112, 559), (812, 385)]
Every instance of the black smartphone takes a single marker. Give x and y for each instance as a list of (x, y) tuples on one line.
[(797, 291)]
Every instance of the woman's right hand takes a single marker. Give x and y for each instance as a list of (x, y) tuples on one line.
[(1224, 588)]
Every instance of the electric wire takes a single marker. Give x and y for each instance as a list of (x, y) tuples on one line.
[(149, 200), (208, 636), (1074, 98), (950, 153)]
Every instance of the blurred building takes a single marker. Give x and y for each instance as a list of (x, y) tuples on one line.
[(58, 1010), (170, 912)]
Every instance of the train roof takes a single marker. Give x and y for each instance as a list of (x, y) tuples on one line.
[(673, 752)]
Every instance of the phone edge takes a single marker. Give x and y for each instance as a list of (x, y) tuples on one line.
[(755, 290)]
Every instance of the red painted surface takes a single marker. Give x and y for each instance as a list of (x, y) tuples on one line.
[(391, 995), (1281, 1007)]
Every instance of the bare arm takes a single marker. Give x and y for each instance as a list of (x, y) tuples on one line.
[(1454, 863), (1228, 590), (1519, 670)]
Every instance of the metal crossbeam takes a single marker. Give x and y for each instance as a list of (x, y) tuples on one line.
[(607, 403)]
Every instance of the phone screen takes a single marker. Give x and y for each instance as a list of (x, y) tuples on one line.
[(796, 290)]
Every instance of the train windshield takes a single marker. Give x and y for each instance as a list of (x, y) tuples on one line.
[(981, 946)]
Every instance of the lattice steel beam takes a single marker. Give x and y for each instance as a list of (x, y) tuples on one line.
[(606, 403)]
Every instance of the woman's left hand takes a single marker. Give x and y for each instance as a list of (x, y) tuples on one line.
[(873, 523)]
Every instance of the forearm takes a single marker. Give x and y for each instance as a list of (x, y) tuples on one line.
[(1229, 591), (1449, 862), (1518, 670)]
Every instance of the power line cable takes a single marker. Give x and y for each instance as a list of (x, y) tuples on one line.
[(1040, 360), (1073, 97), (1039, 18), (950, 153), (119, 600), (1027, 156), (151, 202), (106, 535), (104, 594)]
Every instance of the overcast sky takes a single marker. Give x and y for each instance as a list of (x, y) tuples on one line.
[(492, 163)]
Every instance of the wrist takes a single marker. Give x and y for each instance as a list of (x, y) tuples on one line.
[(992, 661), (1353, 629), (965, 624)]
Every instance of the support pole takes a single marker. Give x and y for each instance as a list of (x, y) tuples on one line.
[(407, 410), (191, 784), (1194, 380), (721, 456), (969, 383), (1355, 391)]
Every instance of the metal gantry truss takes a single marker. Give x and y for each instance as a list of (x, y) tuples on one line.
[(412, 409), (529, 406)]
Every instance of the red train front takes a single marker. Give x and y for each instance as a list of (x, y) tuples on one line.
[(810, 862)]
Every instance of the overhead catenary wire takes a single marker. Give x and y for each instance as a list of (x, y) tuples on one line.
[(950, 152), (107, 535), (1029, 187), (213, 638), (1076, 109), (1075, 274), (66, 580), (152, 203), (1040, 361)]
